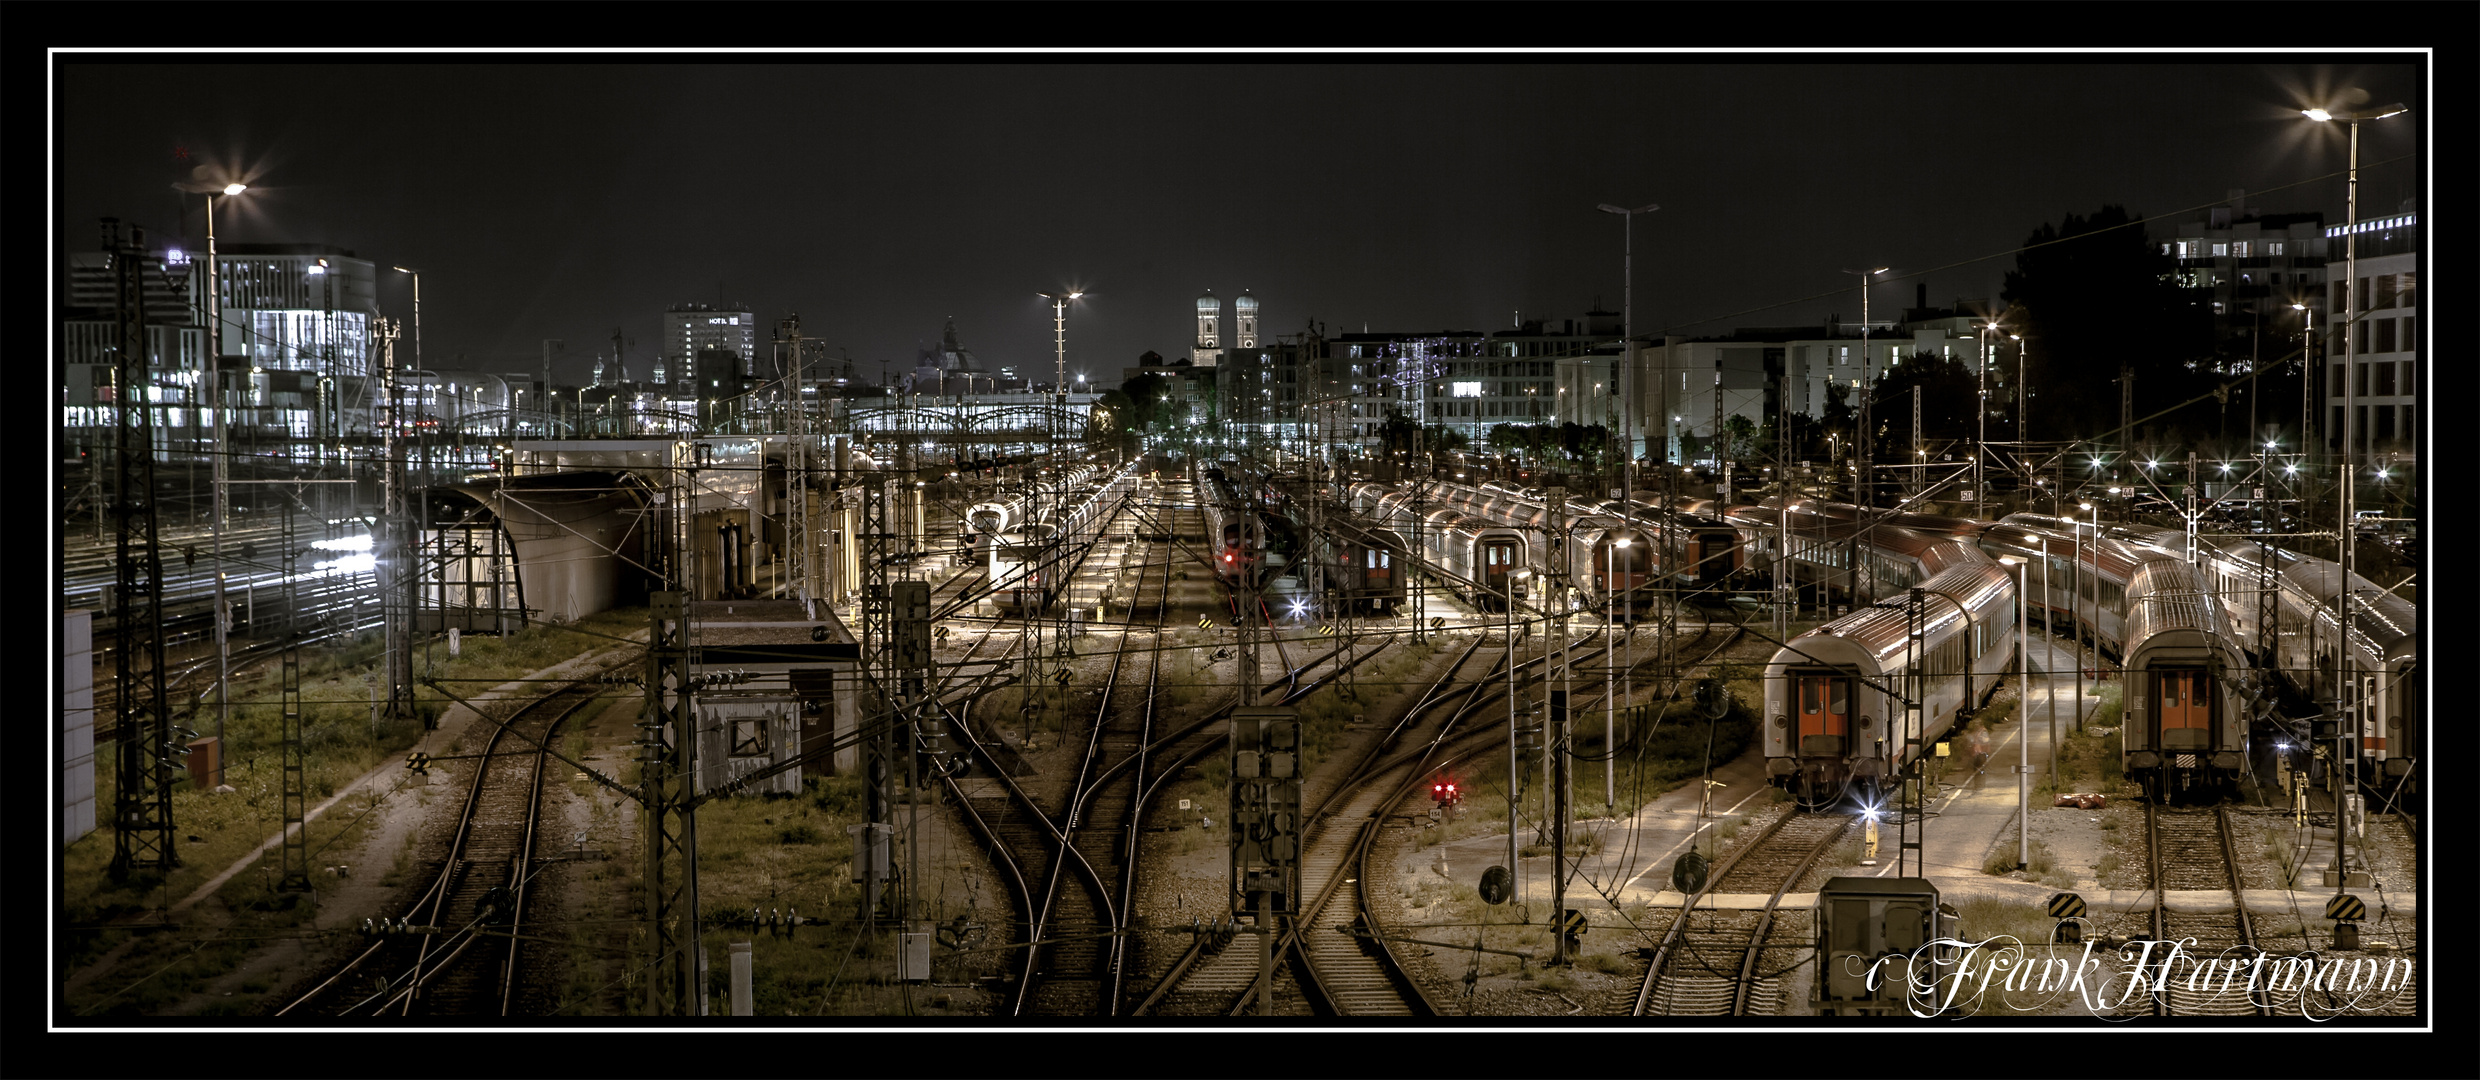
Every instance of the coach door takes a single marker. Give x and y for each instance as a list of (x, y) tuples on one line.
[(1498, 561), (2185, 700), (1825, 714), (1712, 555)]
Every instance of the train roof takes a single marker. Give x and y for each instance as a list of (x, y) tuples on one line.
[(1882, 630), (2166, 596)]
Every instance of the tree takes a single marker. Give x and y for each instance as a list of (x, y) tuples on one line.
[(1838, 419), (2092, 295), (1947, 392), (1115, 420), (1441, 439), (1146, 393)]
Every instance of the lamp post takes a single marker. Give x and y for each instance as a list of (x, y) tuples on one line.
[(2023, 728), (1980, 440), (1514, 768), (2021, 390), (2353, 708), (1626, 382), (221, 473), (1867, 437), (1059, 330), (2049, 640), (417, 314), (2307, 371), (1610, 702), (2074, 624)]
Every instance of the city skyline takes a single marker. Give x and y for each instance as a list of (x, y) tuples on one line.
[(1397, 194)]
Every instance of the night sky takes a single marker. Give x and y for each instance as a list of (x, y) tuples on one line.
[(562, 197)]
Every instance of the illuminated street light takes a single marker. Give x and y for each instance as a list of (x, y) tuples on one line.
[(2350, 435)]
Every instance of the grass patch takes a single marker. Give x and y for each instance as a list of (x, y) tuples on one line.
[(1605, 963), (1984, 917), (341, 741), (2001, 860)]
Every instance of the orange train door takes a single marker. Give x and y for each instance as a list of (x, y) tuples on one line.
[(2185, 699), (1825, 713)]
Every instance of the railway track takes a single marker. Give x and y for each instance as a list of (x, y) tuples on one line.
[(1354, 983), (1732, 963), (1336, 949), (2190, 850), (1079, 972), (463, 954)]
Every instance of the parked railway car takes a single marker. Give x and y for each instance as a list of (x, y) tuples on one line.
[(1031, 562), (2284, 608), (1847, 560), (1836, 728), (1246, 543), (1613, 544), (1481, 561), (983, 522), (2186, 732), (1363, 562)]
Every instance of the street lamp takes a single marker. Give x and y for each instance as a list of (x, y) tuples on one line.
[(221, 471), (1627, 328), (1866, 389), (1059, 326), (417, 314), (2307, 369), (1980, 443), (1610, 644), (2020, 388), (2347, 539), (2023, 727), (2079, 601)]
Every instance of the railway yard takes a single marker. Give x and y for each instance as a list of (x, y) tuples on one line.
[(1062, 842)]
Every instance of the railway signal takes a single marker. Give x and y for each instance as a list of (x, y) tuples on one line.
[(2346, 911), (2068, 909)]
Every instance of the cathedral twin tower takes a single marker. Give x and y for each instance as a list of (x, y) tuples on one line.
[(1209, 326)]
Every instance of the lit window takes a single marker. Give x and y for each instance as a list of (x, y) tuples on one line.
[(1465, 389)]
